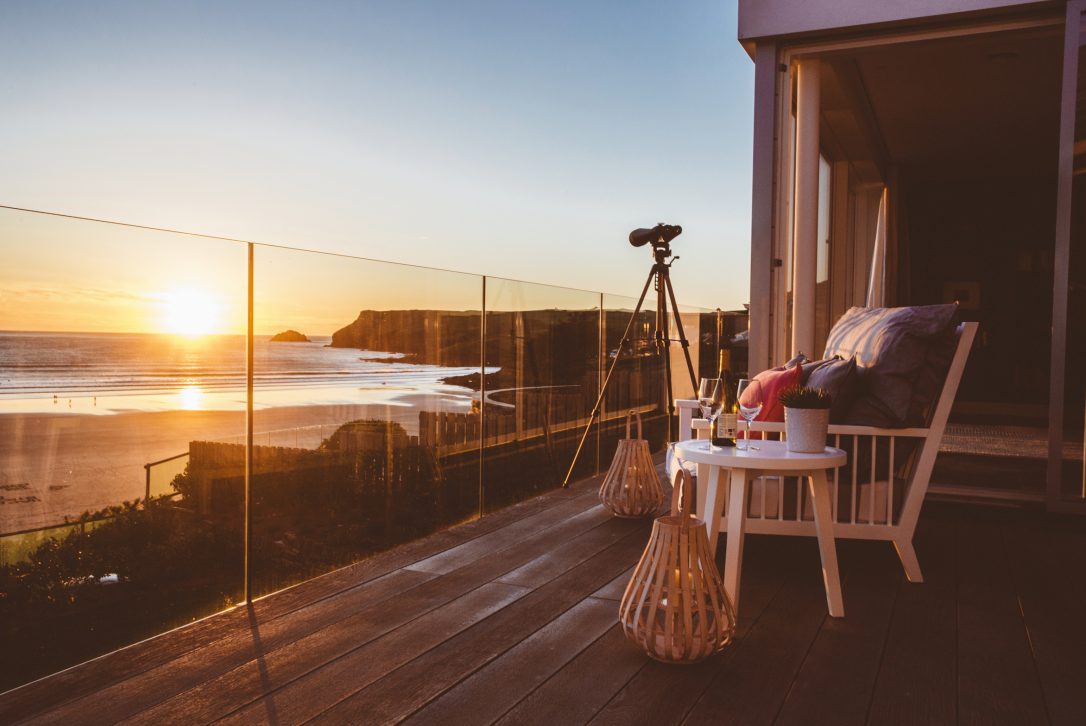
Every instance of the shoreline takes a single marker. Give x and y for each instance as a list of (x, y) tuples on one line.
[(58, 464)]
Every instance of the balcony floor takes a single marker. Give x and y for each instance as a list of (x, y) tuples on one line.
[(512, 619)]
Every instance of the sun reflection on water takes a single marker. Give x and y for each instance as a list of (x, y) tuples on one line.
[(191, 398)]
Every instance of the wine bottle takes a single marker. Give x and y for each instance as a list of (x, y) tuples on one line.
[(727, 422)]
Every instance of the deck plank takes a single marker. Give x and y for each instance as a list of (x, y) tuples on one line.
[(519, 628), (616, 588), (497, 687), (1054, 620), (575, 693), (997, 677), (835, 682), (94, 676), (752, 681), (917, 680), (661, 693), (411, 687), (445, 562), (222, 691), (301, 698)]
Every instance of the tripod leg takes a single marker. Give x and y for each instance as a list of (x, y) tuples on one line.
[(682, 334), (670, 396), (614, 364), (663, 342)]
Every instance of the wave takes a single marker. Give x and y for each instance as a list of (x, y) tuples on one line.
[(43, 365)]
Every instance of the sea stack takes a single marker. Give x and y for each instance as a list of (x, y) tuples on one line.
[(289, 336)]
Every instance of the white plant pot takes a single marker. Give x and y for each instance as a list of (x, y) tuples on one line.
[(806, 429)]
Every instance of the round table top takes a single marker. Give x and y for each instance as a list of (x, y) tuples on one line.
[(770, 455)]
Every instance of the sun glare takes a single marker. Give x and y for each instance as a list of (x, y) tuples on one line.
[(190, 398), (190, 312)]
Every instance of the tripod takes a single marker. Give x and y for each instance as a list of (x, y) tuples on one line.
[(660, 279)]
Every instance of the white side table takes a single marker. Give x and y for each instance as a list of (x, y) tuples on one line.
[(769, 459)]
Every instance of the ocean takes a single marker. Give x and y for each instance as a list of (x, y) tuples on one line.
[(103, 373), (82, 414)]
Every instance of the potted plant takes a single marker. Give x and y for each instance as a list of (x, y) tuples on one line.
[(806, 418)]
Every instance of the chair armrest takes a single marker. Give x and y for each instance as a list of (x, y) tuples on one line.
[(686, 407)]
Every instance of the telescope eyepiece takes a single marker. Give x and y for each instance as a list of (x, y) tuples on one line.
[(661, 234)]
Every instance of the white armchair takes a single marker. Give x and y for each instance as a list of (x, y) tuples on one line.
[(880, 503)]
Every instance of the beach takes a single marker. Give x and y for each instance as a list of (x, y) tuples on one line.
[(57, 465)]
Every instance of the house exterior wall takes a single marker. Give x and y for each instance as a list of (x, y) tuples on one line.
[(770, 18)]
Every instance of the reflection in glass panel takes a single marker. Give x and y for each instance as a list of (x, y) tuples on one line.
[(699, 327), (638, 379), (542, 358), (122, 349), (366, 410)]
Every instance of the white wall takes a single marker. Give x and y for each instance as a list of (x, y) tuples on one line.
[(766, 18)]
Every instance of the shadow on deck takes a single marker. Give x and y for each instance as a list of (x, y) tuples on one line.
[(513, 619)]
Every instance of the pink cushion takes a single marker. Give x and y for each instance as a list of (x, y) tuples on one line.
[(771, 383)]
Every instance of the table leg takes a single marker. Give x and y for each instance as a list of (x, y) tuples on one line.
[(704, 472), (827, 547), (714, 505), (737, 518)]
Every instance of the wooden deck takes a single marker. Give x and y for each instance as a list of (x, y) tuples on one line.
[(512, 619)]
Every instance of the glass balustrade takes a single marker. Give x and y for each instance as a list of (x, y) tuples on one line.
[(388, 402), (121, 349), (542, 359), (366, 412)]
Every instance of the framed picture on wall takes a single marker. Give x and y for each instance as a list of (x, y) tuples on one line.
[(966, 294)]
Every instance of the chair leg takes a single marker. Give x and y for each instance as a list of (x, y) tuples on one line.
[(907, 555)]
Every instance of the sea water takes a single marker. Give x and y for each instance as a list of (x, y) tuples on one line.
[(83, 415), (103, 373)]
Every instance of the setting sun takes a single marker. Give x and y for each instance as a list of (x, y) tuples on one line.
[(190, 312)]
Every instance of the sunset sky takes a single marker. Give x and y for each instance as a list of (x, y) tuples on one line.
[(514, 139)]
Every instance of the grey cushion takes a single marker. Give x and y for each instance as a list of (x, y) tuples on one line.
[(903, 355), (840, 380)]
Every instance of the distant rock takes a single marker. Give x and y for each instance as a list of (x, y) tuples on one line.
[(289, 336)]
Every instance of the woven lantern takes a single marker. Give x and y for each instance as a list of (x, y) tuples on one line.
[(675, 607), (632, 486)]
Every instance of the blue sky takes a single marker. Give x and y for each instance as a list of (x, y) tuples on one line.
[(513, 139)]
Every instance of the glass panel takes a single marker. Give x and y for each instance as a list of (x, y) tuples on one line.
[(690, 317), (638, 380), (1072, 473), (122, 348), (366, 423), (733, 339), (542, 358)]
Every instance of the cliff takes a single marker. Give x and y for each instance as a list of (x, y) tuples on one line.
[(531, 348)]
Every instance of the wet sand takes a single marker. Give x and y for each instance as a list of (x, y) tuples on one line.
[(52, 465)]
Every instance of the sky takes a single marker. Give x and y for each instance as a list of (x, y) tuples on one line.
[(512, 139)]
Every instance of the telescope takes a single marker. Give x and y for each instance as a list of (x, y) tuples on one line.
[(659, 278), (661, 234)]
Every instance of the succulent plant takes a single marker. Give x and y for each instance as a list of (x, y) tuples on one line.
[(804, 397)]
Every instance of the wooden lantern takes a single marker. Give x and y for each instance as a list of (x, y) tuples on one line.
[(632, 486), (675, 607)]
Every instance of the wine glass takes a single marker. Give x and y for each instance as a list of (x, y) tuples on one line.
[(751, 408), (711, 400)]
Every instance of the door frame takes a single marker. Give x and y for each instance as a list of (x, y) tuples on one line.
[(1061, 259)]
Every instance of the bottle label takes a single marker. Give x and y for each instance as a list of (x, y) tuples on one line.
[(727, 425)]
